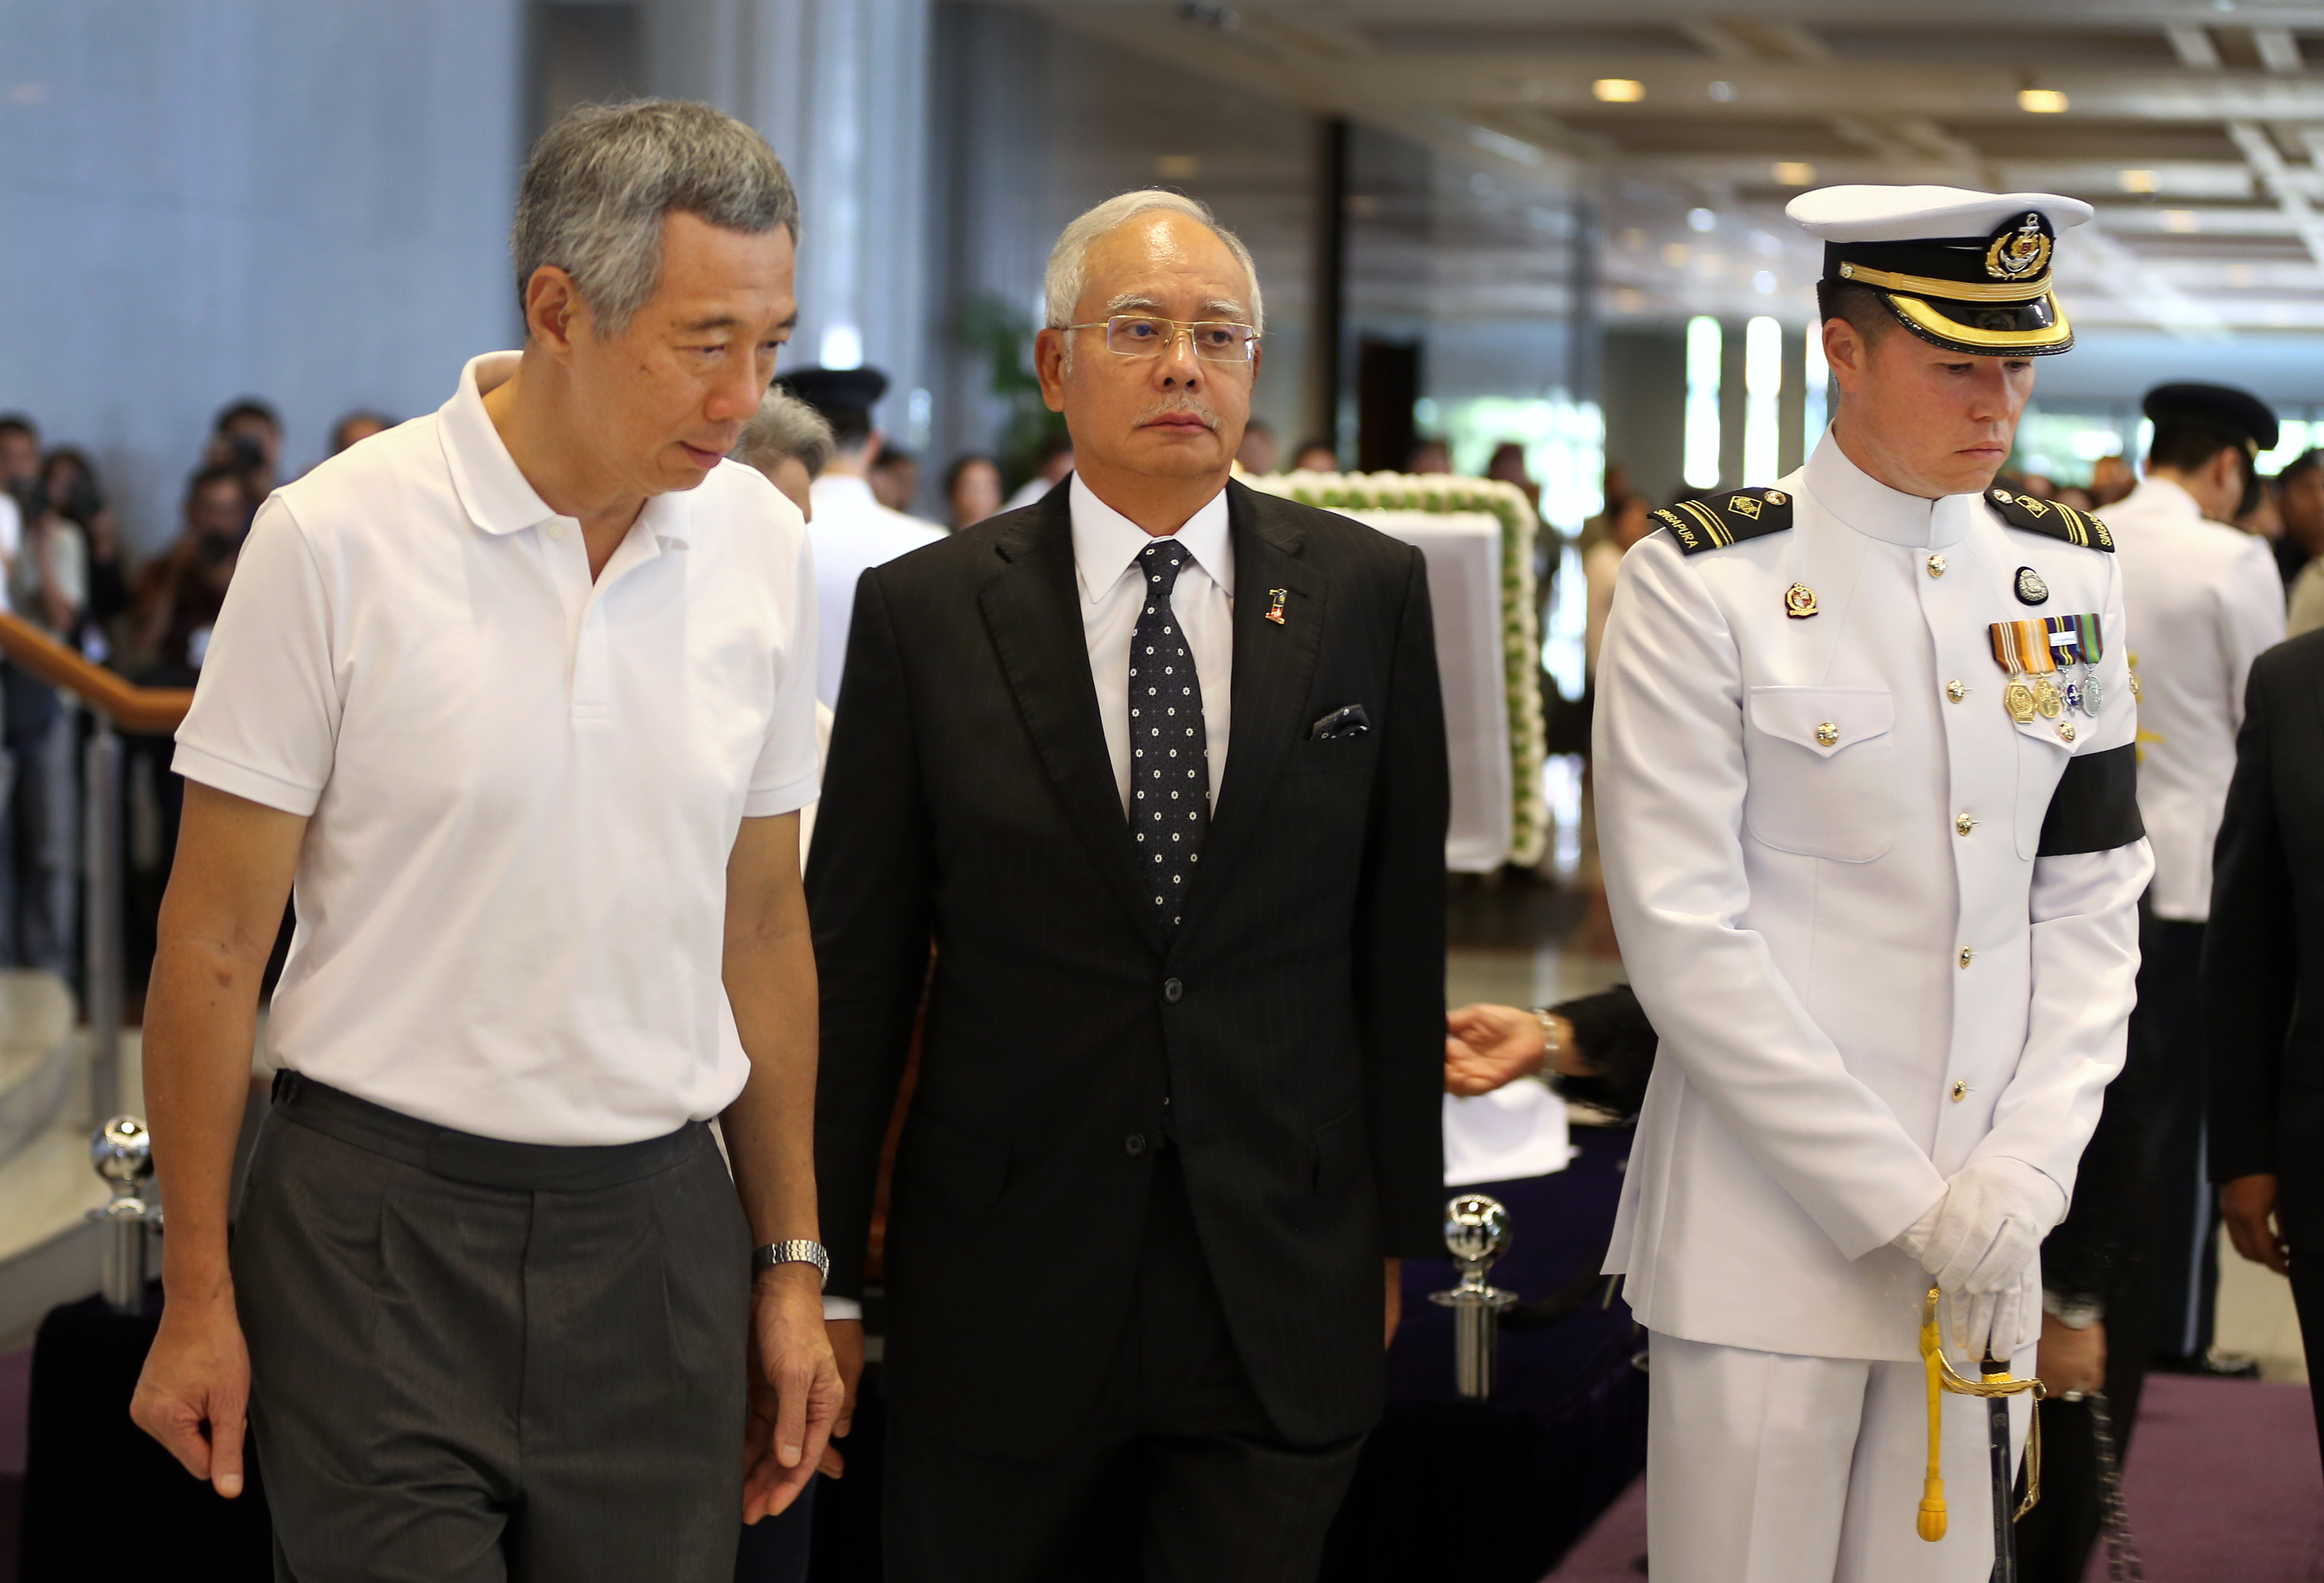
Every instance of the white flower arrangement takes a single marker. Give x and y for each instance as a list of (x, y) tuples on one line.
[(1520, 618)]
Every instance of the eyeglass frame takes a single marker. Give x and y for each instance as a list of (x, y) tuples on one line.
[(1177, 326)]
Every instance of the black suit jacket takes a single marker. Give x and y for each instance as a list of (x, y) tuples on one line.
[(2263, 949), (1294, 1023)]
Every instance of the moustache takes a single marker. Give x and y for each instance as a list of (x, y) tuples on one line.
[(1202, 412)]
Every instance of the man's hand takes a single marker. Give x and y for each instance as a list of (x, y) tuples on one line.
[(1395, 1308), (1982, 1242), (2248, 1205), (1489, 1046), (795, 1390), (194, 1394), (2071, 1362), (847, 1348)]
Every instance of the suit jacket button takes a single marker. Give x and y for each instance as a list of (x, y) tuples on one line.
[(1173, 991), (1134, 1145)]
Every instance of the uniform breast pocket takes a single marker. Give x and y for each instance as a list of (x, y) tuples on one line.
[(1823, 766)]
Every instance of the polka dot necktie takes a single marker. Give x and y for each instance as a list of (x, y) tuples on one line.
[(1169, 775)]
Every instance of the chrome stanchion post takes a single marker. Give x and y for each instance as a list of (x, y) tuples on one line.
[(1476, 1233), (101, 919), (122, 1151)]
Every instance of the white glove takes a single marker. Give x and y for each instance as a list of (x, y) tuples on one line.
[(1982, 1241)]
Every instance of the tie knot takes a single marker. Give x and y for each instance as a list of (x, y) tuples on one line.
[(1163, 560)]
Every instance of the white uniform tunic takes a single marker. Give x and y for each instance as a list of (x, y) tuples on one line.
[(852, 533), (2204, 600), (1844, 985)]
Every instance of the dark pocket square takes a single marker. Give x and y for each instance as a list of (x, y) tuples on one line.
[(1350, 721)]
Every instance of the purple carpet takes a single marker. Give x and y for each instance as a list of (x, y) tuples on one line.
[(2223, 1482)]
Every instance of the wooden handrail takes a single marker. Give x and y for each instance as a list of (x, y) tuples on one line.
[(147, 711)]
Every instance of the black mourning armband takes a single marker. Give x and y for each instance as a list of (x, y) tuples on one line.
[(2095, 808)]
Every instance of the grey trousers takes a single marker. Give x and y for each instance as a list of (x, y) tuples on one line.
[(475, 1361)]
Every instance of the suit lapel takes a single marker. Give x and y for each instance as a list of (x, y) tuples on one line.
[(1274, 664), (1032, 611)]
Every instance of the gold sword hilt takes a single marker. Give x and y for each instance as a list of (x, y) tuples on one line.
[(1944, 1377)]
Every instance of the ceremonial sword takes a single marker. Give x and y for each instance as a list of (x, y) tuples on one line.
[(1996, 1387)]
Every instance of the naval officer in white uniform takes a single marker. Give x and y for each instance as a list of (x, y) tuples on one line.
[(1872, 846), (2205, 600)]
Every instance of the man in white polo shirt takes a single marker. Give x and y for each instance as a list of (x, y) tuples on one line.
[(522, 693)]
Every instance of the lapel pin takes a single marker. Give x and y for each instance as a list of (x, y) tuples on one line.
[(1799, 602), (1275, 603)]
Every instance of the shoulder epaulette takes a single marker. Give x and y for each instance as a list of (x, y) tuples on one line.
[(2049, 516), (1715, 522)]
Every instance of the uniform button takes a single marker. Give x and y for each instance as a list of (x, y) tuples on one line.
[(557, 530), (1964, 824), (1173, 991), (1936, 566), (1828, 732), (1966, 955), (1960, 1089), (2066, 729), (1134, 1145), (1956, 690)]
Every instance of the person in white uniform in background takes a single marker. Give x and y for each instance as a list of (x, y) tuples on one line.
[(2204, 600), (1857, 798), (851, 531)]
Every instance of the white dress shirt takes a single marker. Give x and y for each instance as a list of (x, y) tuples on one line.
[(1106, 547), (523, 785), (852, 533), (1823, 860), (2204, 600)]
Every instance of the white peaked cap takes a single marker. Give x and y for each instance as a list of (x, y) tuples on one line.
[(1918, 214)]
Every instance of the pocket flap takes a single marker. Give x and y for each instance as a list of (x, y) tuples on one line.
[(1823, 720)]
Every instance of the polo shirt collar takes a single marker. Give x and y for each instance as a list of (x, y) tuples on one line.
[(1107, 544), (492, 489)]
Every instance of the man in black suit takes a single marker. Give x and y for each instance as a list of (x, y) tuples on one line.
[(2264, 985), (1157, 765)]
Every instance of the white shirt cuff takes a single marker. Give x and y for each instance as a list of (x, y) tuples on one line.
[(842, 1308)]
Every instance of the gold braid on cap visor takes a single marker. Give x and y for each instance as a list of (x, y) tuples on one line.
[(1931, 325), (2007, 292)]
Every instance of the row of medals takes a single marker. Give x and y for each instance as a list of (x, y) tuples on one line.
[(2042, 696)]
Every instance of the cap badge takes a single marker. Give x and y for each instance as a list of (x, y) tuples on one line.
[(2031, 588), (1799, 602), (2020, 253)]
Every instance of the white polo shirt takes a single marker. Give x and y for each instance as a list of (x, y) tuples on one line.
[(523, 785)]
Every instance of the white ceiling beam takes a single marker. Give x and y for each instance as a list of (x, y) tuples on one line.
[(2278, 49), (1714, 40), (2193, 46), (2260, 149)]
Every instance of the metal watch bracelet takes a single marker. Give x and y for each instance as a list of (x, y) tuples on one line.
[(798, 1250)]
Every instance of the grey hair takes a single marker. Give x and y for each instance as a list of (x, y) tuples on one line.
[(1068, 271), (785, 427), (602, 179)]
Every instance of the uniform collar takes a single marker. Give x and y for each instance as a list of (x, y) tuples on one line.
[(494, 490), (1106, 543), (1877, 512), (2164, 498)]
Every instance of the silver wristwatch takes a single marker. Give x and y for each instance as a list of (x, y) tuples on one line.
[(798, 1250)]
